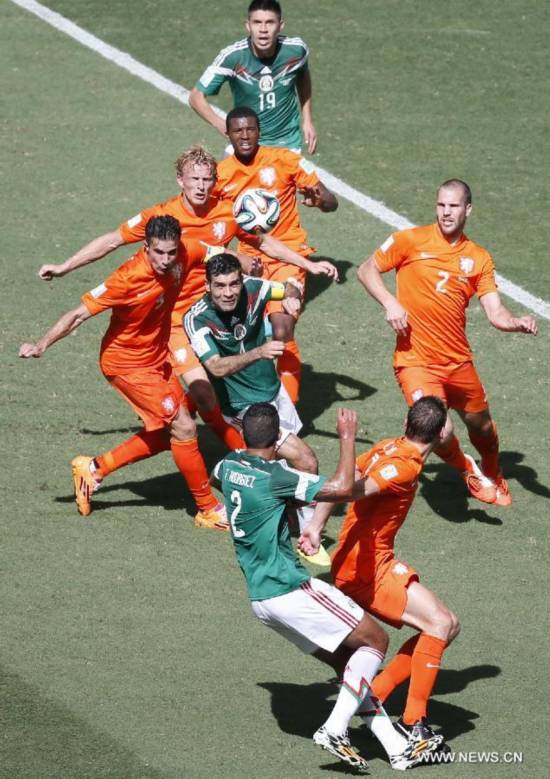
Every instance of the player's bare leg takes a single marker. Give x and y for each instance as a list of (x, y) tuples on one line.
[(289, 364), (204, 397), (419, 659), (189, 461), (479, 486), (483, 435)]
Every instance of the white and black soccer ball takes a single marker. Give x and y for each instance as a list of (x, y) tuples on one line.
[(256, 210)]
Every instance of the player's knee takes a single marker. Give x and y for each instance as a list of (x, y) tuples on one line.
[(377, 638), (182, 426), (455, 627), (441, 622)]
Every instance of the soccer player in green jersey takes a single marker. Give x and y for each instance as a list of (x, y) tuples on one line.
[(268, 72), (307, 611), (226, 328)]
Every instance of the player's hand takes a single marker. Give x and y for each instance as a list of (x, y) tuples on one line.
[(346, 423), (323, 268), (30, 350), (310, 136), (527, 324), (292, 306), (396, 317), (48, 272), (309, 541), (271, 350), (312, 196)]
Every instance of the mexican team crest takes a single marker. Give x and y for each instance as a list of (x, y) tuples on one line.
[(266, 83)]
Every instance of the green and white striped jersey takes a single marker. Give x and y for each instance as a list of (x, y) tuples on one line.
[(266, 85), (256, 492)]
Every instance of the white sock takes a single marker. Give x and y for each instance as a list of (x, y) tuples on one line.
[(360, 671), (305, 515), (381, 726)]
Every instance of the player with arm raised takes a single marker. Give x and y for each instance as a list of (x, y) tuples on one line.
[(205, 218), (284, 173), (438, 269), (227, 331), (134, 359), (365, 568), (310, 613), (267, 72)]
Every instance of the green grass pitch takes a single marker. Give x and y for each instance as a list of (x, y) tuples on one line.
[(128, 647)]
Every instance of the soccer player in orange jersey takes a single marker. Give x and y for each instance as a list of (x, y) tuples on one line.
[(438, 269), (134, 359), (204, 218), (284, 173), (364, 566)]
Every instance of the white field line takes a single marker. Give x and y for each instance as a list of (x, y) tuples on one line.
[(366, 203)]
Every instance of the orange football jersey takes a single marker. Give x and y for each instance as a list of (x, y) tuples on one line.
[(141, 303), (434, 283), (279, 171), (368, 532), (217, 228)]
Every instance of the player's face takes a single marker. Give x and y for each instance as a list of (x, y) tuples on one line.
[(244, 134), (162, 255), (452, 211), (225, 290), (196, 182), (263, 28)]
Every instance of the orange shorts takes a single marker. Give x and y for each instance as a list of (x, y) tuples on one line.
[(155, 394), (182, 356), (458, 385), (275, 270), (386, 596)]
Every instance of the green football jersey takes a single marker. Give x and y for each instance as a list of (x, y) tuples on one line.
[(266, 85), (256, 492), (227, 333)]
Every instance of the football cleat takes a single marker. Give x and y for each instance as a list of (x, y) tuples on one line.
[(215, 518), (479, 486), (321, 557), (340, 747), (85, 483), (421, 736), (414, 753), (503, 497)]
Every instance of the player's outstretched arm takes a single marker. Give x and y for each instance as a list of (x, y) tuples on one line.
[(319, 197), (99, 247), (226, 366), (499, 316), (276, 249), (371, 278), (201, 106), (304, 89), (65, 325), (340, 486)]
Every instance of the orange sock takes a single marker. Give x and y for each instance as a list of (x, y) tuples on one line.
[(191, 466), (289, 368), (487, 446), (425, 665), (228, 434), (452, 454), (144, 444), (396, 671)]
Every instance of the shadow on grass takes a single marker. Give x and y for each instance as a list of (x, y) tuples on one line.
[(43, 738), (316, 285), (300, 709), (514, 470), (446, 494)]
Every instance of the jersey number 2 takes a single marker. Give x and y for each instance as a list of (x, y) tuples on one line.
[(444, 278), (237, 502)]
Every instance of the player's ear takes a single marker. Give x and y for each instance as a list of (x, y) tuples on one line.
[(247, 25), (468, 209), (282, 24)]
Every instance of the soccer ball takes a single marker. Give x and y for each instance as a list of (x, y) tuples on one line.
[(256, 210)]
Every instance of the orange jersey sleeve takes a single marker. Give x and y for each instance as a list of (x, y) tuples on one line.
[(434, 283), (141, 304), (279, 171), (368, 532)]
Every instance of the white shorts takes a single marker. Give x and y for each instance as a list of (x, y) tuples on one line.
[(315, 615), (288, 416)]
